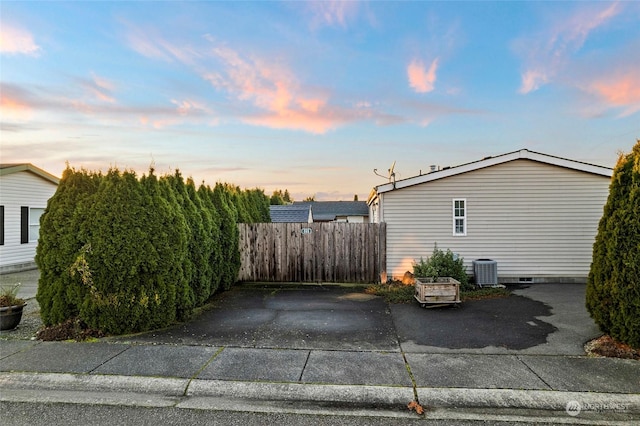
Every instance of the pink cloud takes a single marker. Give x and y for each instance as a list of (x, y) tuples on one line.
[(15, 103), (275, 90), (547, 54), (99, 88), (14, 40), (422, 80), (14, 108), (619, 91)]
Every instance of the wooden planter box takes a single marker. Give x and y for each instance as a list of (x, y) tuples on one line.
[(441, 291)]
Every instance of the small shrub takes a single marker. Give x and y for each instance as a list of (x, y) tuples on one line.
[(443, 264)]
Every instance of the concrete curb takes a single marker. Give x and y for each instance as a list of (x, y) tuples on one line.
[(548, 400), (347, 394), (94, 383), (156, 391)]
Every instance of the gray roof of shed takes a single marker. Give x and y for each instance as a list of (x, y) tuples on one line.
[(289, 213), (329, 210)]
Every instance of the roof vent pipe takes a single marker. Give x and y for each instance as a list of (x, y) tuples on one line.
[(433, 168)]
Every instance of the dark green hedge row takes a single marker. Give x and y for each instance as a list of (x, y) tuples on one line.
[(127, 254), (613, 285)]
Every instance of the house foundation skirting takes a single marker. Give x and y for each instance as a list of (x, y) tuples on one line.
[(17, 267)]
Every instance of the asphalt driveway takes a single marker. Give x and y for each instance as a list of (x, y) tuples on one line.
[(290, 316), (539, 319)]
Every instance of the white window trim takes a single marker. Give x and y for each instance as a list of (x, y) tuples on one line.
[(464, 217), (34, 226)]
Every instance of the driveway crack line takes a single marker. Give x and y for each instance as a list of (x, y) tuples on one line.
[(536, 374), (197, 373), (109, 359), (413, 379), (306, 361)]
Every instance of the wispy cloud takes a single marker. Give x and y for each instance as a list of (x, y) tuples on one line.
[(98, 88), (15, 103), (15, 40), (185, 111), (21, 105), (272, 88), (148, 42), (332, 12), (421, 79), (547, 53)]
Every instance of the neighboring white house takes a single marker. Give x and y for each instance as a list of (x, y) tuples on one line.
[(24, 192), (536, 215)]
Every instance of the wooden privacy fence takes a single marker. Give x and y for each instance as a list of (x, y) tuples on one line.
[(313, 252)]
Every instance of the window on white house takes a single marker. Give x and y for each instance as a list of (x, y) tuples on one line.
[(34, 223), (459, 216)]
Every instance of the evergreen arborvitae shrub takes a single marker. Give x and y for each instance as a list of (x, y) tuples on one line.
[(613, 285), (185, 294), (199, 244), (202, 246), (62, 235), (136, 245), (229, 234), (260, 202), (213, 229), (442, 264)]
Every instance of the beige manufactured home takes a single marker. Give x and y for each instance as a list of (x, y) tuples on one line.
[(535, 215)]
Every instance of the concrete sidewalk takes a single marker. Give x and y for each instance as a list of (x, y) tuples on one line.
[(545, 381), (194, 376)]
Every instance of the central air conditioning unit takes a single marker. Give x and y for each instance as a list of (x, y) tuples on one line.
[(485, 272)]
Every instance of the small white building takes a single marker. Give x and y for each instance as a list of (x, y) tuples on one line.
[(535, 215), (24, 192)]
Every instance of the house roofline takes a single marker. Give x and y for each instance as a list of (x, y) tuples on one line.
[(493, 161), (7, 169)]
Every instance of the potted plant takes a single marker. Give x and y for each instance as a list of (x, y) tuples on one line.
[(10, 307)]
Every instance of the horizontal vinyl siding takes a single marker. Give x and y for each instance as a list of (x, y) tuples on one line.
[(533, 219), (17, 190)]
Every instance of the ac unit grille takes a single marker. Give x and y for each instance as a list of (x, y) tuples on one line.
[(486, 272)]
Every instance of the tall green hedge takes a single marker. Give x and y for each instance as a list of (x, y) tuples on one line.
[(63, 232), (613, 285), (127, 254)]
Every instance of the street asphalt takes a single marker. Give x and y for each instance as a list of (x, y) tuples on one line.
[(280, 347)]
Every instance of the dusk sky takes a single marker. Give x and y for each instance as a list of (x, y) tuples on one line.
[(312, 96)]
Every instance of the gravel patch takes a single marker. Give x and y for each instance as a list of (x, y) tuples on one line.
[(29, 325)]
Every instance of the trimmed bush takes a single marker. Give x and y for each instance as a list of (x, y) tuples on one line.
[(62, 235), (136, 245), (442, 264), (613, 285)]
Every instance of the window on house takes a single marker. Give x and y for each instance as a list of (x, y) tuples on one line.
[(34, 223), (460, 217)]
